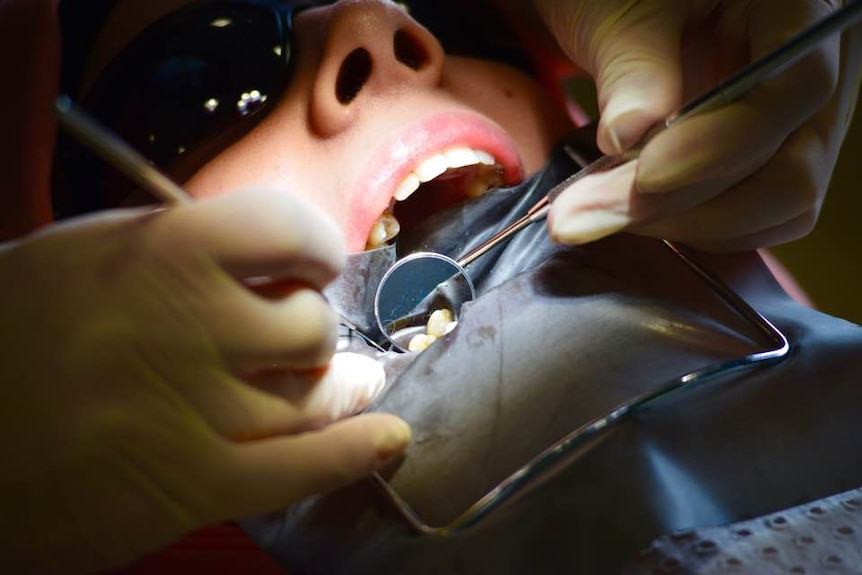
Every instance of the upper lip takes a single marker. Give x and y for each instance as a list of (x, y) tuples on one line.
[(403, 150)]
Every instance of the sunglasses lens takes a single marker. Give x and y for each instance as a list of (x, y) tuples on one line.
[(195, 77), (189, 86)]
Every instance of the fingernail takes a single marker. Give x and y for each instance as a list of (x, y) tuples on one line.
[(622, 121), (588, 226), (392, 440), (622, 128), (615, 140)]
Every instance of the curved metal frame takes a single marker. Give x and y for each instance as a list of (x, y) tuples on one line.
[(518, 481)]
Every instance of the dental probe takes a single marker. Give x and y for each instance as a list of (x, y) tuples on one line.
[(725, 92), (108, 146)]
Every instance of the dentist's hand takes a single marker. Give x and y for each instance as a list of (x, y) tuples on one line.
[(751, 174), (148, 391)]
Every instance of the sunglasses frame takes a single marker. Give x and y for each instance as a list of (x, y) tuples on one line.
[(81, 181)]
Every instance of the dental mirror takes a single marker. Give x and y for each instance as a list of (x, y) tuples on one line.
[(423, 282), (415, 288)]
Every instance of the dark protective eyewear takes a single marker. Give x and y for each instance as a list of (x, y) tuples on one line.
[(184, 89)]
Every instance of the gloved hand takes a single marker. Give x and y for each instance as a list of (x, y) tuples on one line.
[(147, 390), (751, 174)]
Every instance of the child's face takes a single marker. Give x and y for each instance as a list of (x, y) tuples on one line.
[(372, 97)]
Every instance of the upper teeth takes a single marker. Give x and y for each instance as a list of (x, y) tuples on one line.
[(437, 164)]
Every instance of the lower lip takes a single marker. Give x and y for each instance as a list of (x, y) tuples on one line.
[(397, 157)]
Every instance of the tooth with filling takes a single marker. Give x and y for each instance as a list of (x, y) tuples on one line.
[(438, 321), (487, 178), (420, 342), (384, 229)]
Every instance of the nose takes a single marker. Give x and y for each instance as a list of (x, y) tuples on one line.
[(371, 49)]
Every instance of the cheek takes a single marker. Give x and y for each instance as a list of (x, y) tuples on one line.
[(530, 115), (244, 166), (259, 160)]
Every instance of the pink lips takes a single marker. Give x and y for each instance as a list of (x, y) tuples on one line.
[(403, 151)]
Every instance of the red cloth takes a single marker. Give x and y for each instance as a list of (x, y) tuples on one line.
[(29, 67), (215, 550)]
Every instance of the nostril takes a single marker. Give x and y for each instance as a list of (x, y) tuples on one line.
[(409, 50), (353, 74)]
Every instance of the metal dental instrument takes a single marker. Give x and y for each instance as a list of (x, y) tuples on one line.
[(391, 319), (116, 152)]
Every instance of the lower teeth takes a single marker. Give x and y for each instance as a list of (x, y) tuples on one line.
[(439, 324)]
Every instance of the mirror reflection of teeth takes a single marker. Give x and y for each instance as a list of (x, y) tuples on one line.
[(439, 324), (478, 169)]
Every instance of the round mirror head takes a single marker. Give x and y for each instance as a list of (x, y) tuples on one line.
[(413, 289)]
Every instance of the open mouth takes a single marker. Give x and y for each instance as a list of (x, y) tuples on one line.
[(438, 182)]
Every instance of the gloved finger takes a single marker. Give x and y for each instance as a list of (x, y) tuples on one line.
[(708, 214), (258, 233), (732, 232), (780, 200), (603, 204), (679, 169), (738, 135), (596, 206), (632, 50), (741, 136), (235, 410), (262, 476), (345, 387), (298, 330), (275, 404), (733, 142)]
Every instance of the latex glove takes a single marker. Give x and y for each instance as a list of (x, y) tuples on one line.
[(126, 419), (751, 174)]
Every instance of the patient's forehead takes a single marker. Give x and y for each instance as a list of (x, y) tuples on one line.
[(126, 20)]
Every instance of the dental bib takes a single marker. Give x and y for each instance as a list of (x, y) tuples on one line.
[(558, 337)]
